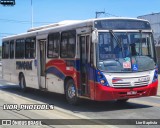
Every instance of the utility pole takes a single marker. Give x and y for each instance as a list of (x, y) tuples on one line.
[(31, 14), (99, 13)]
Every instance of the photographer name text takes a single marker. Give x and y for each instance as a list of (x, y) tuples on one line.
[(28, 107)]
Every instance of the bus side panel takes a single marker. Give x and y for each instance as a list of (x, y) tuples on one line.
[(14, 75), (73, 70), (29, 69), (57, 70), (91, 82), (6, 74), (54, 84), (31, 76), (31, 81), (9, 71)]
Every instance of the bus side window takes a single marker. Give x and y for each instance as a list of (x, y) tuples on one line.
[(12, 49), (30, 48), (53, 45), (68, 44), (20, 48), (5, 50)]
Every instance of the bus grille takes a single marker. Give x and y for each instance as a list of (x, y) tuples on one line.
[(124, 84), (141, 83), (129, 82)]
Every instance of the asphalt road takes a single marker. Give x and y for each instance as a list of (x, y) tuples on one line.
[(141, 108), (11, 94)]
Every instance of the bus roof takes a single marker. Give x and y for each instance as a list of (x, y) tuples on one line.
[(66, 22), (63, 24)]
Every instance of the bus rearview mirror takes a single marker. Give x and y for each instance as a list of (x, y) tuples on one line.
[(94, 36)]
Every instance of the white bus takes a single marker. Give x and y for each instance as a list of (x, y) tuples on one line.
[(98, 59)]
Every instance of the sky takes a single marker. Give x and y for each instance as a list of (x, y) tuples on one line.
[(17, 19)]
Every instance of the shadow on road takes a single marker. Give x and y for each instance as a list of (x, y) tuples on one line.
[(59, 101)]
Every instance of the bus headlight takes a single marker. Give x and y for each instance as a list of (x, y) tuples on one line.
[(155, 77), (102, 79)]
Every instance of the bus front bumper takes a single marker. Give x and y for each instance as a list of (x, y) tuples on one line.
[(103, 93)]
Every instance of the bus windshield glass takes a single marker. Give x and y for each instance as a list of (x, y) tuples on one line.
[(125, 52)]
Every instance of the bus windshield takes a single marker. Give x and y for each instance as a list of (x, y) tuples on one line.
[(125, 52)]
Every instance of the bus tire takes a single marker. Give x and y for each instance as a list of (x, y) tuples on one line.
[(122, 100), (71, 92), (22, 83)]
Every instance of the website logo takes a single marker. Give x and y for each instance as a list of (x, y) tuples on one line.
[(7, 2)]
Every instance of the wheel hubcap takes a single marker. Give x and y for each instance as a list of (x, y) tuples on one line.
[(71, 91)]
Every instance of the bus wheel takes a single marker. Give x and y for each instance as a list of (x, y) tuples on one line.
[(71, 93), (122, 100), (22, 83)]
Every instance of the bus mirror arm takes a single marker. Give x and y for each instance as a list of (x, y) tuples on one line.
[(95, 36)]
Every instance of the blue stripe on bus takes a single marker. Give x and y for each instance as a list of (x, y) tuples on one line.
[(55, 71)]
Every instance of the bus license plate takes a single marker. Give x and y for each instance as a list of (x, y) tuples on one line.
[(132, 93)]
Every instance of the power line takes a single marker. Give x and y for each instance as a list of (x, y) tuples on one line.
[(111, 14), (106, 14), (22, 21), (2, 33)]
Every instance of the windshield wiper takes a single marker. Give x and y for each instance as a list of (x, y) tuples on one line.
[(140, 44), (117, 40), (115, 37)]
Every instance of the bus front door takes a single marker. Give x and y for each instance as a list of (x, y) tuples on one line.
[(42, 63), (84, 57)]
